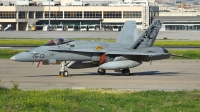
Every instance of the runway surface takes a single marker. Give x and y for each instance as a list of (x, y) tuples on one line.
[(168, 75), (182, 35)]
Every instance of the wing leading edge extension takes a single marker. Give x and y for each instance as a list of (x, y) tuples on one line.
[(79, 50)]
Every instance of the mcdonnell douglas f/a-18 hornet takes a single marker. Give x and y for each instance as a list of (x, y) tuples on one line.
[(129, 51)]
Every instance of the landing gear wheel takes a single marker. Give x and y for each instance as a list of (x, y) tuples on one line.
[(63, 71), (101, 71), (65, 74), (60, 73), (125, 72)]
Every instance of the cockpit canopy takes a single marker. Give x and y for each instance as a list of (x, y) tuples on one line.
[(57, 41)]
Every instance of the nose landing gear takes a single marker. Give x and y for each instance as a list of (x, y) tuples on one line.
[(63, 74), (63, 71)]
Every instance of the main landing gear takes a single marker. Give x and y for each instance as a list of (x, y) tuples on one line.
[(125, 72), (63, 71), (101, 71)]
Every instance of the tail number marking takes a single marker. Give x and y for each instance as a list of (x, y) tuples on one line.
[(37, 55)]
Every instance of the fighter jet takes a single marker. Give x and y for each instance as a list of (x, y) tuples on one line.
[(129, 51)]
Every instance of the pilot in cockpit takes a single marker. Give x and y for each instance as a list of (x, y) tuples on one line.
[(57, 41)]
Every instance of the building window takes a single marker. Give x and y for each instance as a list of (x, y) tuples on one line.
[(31, 14), (54, 14), (112, 14), (181, 23), (39, 14), (92, 14), (132, 14), (73, 14), (180, 27), (7, 15), (21, 15)]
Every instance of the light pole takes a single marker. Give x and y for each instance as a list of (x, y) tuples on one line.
[(101, 20), (49, 13)]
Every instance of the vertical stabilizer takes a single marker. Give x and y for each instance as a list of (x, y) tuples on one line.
[(128, 34), (149, 36), (135, 37)]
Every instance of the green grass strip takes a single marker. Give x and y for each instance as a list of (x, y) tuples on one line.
[(98, 101), (23, 41), (43, 41), (187, 54), (176, 43), (7, 53)]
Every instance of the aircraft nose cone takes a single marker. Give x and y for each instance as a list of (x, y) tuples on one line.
[(23, 56), (13, 58)]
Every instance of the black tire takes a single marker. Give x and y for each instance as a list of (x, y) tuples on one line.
[(101, 71), (60, 73), (65, 73), (125, 72)]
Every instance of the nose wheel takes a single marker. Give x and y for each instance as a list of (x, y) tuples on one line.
[(125, 72), (63, 74), (63, 71)]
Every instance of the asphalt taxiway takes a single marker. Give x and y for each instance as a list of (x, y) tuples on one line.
[(171, 35), (168, 75)]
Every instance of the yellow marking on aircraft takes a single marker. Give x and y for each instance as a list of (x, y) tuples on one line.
[(99, 48)]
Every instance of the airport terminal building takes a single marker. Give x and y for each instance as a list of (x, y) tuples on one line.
[(105, 13), (180, 23)]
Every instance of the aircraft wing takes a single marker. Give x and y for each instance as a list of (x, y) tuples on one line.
[(111, 52), (135, 53)]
